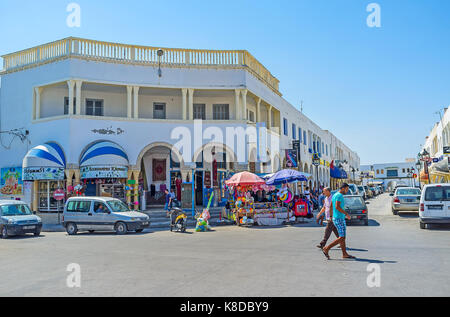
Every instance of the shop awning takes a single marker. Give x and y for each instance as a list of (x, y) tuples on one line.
[(338, 173), (104, 153), (104, 159), (44, 162)]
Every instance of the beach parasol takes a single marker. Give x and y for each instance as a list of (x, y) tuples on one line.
[(287, 176), (245, 179)]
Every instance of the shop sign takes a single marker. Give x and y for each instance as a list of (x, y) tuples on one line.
[(11, 181), (316, 160), (446, 149), (43, 173), (291, 158), (97, 171)]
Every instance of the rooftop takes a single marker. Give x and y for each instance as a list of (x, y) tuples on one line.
[(137, 55)]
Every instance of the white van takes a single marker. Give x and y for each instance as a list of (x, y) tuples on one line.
[(435, 205), (102, 214)]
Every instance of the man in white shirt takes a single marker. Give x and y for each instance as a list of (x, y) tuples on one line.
[(327, 210)]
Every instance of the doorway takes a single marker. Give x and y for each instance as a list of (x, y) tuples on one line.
[(199, 188)]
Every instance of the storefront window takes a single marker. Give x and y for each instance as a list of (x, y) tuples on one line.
[(46, 189)]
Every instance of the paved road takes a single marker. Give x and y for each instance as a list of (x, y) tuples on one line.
[(233, 261)]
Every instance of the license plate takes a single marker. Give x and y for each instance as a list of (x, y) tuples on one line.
[(410, 200), (355, 217), (145, 223), (434, 207), (29, 227)]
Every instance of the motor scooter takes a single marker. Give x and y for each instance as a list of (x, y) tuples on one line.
[(178, 220)]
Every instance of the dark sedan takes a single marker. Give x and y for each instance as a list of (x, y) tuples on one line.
[(357, 208)]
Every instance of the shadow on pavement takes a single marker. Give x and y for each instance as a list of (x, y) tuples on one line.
[(363, 260), (112, 233), (24, 237), (438, 227), (408, 214)]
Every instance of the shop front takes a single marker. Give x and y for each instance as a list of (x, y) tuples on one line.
[(104, 170), (338, 176), (44, 166)]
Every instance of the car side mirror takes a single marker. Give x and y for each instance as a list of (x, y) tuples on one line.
[(34, 212), (391, 194)]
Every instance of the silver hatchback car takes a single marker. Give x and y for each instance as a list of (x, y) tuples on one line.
[(102, 214), (405, 199)]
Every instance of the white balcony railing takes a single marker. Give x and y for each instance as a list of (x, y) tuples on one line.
[(114, 52)]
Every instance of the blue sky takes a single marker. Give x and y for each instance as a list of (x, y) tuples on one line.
[(377, 89)]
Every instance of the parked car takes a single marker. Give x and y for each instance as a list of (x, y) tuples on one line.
[(362, 192), (16, 218), (101, 214), (405, 199), (354, 189), (434, 205), (368, 192), (357, 209), (398, 186)]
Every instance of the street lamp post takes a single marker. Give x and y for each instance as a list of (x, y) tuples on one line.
[(418, 165), (426, 157)]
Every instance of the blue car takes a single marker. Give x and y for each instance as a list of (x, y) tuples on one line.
[(16, 218)]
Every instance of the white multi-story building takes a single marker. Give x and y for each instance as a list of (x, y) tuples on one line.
[(390, 174), (106, 114), (437, 145)]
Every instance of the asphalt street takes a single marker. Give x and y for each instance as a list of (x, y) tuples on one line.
[(234, 261)]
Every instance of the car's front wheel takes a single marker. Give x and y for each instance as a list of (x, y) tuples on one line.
[(4, 233), (394, 212), (37, 233), (71, 229), (121, 228)]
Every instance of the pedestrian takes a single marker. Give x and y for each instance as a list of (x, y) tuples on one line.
[(339, 216), (326, 213), (166, 206)]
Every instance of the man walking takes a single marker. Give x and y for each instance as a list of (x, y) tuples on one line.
[(339, 215), (326, 211)]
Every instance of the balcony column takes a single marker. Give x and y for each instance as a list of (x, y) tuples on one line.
[(183, 102), (71, 85), (269, 125), (237, 94), (129, 101), (37, 103), (258, 109), (79, 83), (244, 104), (191, 104), (136, 102)]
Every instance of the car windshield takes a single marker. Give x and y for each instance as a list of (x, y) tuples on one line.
[(408, 192), (118, 206), (16, 210), (353, 202), (439, 193)]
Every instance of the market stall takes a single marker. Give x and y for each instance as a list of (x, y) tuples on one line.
[(241, 201), (285, 195)]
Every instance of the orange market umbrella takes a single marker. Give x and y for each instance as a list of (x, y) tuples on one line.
[(245, 179)]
